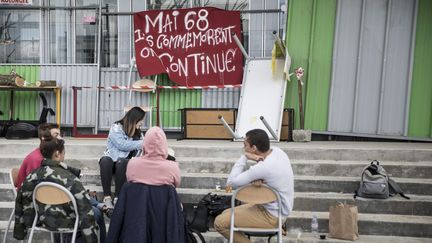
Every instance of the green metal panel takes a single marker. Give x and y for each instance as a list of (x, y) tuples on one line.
[(420, 115), (310, 34), (173, 99), (26, 104)]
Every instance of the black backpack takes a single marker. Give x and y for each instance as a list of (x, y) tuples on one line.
[(18, 129), (21, 130), (192, 235)]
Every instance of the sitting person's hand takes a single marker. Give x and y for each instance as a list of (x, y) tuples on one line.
[(257, 182), (254, 157)]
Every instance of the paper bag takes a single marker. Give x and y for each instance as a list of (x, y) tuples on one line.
[(343, 222)]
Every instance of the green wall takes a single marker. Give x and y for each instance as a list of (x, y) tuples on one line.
[(173, 99), (310, 34), (26, 104), (420, 115)]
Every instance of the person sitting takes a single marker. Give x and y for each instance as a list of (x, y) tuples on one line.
[(148, 208), (153, 168), (53, 169), (124, 138), (33, 160), (273, 168)]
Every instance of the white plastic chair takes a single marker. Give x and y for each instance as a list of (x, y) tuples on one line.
[(13, 175), (256, 195), (50, 193)]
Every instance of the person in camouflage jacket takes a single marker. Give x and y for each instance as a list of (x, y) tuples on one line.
[(60, 216)]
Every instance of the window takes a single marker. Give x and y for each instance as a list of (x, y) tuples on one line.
[(58, 33), (19, 36), (67, 31)]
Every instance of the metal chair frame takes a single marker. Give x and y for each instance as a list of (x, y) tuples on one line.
[(13, 184), (258, 231), (36, 207)]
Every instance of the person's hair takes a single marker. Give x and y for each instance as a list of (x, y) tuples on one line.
[(259, 138), (129, 121), (44, 129), (49, 145)]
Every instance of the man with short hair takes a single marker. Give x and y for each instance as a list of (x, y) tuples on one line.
[(33, 160), (273, 168)]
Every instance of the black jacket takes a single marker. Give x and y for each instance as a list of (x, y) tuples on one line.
[(145, 213)]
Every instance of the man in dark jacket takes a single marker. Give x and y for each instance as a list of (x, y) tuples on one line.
[(146, 214)]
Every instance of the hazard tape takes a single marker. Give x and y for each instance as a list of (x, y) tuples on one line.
[(162, 87)]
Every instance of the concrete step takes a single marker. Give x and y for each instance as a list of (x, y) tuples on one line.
[(370, 224), (314, 150), (291, 237), (319, 202), (39, 237), (364, 151), (301, 183), (404, 169), (312, 183), (215, 237)]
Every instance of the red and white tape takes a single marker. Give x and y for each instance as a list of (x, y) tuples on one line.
[(115, 87)]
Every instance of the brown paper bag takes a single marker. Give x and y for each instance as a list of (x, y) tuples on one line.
[(343, 222)]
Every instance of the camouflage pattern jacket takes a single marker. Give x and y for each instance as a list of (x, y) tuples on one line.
[(59, 216)]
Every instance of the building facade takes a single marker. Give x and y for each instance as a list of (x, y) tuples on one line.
[(367, 62)]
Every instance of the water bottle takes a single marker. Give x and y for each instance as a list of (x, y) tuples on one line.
[(218, 186), (314, 226)]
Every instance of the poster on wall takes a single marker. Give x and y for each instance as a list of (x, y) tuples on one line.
[(194, 46)]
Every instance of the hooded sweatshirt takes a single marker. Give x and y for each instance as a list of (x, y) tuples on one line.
[(153, 168)]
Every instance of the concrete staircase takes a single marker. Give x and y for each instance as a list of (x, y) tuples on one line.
[(325, 173)]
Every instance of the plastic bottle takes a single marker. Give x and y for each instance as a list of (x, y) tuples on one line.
[(218, 186), (314, 226)]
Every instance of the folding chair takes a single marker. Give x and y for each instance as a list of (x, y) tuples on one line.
[(256, 195), (50, 193), (13, 175)]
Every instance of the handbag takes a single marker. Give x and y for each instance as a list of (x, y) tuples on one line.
[(216, 204), (196, 216), (343, 222)]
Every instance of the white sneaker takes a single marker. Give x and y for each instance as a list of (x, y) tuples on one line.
[(108, 202)]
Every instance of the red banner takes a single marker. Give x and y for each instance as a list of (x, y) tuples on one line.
[(194, 46)]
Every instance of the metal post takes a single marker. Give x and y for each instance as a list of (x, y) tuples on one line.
[(132, 63), (222, 120), (240, 45), (158, 107), (99, 40), (269, 128), (74, 94)]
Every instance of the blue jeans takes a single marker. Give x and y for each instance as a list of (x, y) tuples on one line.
[(100, 220)]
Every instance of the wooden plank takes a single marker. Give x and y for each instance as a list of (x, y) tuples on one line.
[(208, 131), (287, 125), (208, 117)]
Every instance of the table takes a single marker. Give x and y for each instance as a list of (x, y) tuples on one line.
[(55, 89), (204, 123)]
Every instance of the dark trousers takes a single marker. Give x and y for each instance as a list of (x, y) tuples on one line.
[(108, 168)]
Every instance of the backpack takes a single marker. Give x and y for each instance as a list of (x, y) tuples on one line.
[(193, 227), (375, 183), (21, 130), (191, 235)]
